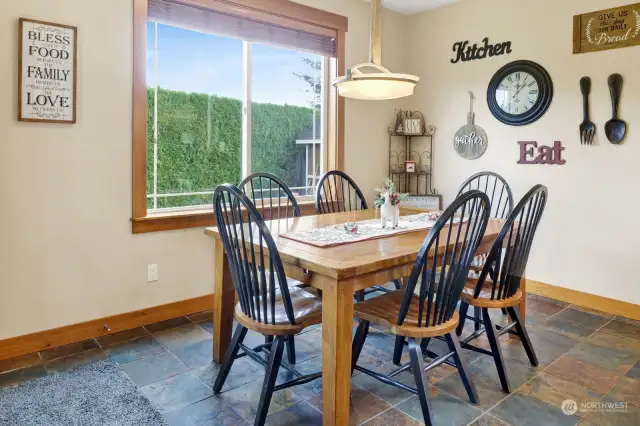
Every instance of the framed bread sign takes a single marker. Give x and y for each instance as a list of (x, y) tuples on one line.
[(47, 65), (607, 29)]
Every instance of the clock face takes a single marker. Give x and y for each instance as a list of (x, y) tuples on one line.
[(520, 93), (517, 93)]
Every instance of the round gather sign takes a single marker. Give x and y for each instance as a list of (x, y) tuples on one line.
[(470, 140)]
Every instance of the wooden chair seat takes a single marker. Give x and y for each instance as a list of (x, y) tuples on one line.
[(384, 310), (484, 298), (307, 311)]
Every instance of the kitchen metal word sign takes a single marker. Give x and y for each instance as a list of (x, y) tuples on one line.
[(468, 52), (47, 65), (607, 29)]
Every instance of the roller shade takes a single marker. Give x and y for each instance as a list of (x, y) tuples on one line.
[(319, 40)]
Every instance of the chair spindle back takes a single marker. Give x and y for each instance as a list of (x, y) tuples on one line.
[(258, 274), (507, 259), (271, 195), (337, 192), (496, 188), (444, 259)]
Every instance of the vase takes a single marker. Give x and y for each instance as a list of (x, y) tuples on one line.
[(389, 213), (396, 216)]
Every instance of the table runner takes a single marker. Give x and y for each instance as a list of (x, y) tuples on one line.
[(335, 235)]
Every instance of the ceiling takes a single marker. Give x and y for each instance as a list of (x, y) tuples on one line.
[(409, 7)]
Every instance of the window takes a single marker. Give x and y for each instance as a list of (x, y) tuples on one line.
[(194, 109), (288, 90), (225, 97)]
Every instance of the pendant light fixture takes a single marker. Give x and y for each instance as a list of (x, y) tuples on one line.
[(380, 84)]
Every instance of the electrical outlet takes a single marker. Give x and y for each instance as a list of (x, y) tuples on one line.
[(152, 273)]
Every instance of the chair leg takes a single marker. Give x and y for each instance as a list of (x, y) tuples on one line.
[(229, 357), (291, 350), (417, 367), (504, 311), (398, 284), (425, 344), (397, 349), (524, 336), (477, 316), (495, 350), (360, 296), (358, 342), (463, 370), (273, 365), (464, 308)]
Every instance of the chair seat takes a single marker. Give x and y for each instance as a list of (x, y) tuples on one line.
[(484, 298), (307, 311), (384, 310)]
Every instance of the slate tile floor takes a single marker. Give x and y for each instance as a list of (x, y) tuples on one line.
[(585, 355)]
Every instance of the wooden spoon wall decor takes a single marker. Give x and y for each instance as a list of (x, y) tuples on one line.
[(615, 128)]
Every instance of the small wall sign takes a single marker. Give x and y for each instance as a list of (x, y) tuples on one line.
[(470, 141), (466, 52), (412, 126), (47, 64), (410, 166), (544, 155), (607, 29)]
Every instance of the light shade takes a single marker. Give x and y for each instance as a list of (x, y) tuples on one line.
[(375, 86)]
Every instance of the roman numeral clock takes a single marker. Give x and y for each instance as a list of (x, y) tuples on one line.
[(520, 93)]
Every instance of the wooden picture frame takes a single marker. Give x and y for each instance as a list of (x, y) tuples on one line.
[(47, 74)]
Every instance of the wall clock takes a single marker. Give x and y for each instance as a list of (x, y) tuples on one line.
[(520, 93)]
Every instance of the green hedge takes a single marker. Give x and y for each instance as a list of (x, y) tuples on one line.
[(200, 137)]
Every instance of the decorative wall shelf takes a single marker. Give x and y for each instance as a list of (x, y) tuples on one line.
[(414, 148)]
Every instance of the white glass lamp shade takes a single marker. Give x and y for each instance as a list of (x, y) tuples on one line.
[(375, 86)]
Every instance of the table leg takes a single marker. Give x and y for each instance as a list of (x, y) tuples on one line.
[(223, 303), (523, 302), (337, 324)]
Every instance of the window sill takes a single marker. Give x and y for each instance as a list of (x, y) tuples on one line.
[(169, 221)]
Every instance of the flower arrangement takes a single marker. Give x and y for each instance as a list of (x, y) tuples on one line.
[(389, 190)]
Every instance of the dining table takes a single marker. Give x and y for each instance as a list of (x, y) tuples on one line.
[(338, 271)]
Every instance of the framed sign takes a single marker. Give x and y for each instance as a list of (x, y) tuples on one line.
[(607, 29), (427, 202), (47, 65), (410, 166), (412, 126)]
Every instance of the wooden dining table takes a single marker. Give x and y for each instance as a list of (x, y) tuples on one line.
[(338, 271)]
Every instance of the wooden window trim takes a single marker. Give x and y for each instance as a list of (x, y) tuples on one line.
[(192, 219), (274, 12)]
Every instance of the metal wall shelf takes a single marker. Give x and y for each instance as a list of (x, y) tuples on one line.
[(419, 182)]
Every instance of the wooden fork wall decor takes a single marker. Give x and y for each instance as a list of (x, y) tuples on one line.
[(587, 128)]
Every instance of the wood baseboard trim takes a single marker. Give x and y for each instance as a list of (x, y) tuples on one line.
[(30, 343), (587, 300)]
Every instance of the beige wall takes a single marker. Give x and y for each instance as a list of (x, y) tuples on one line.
[(588, 238), (67, 253)]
